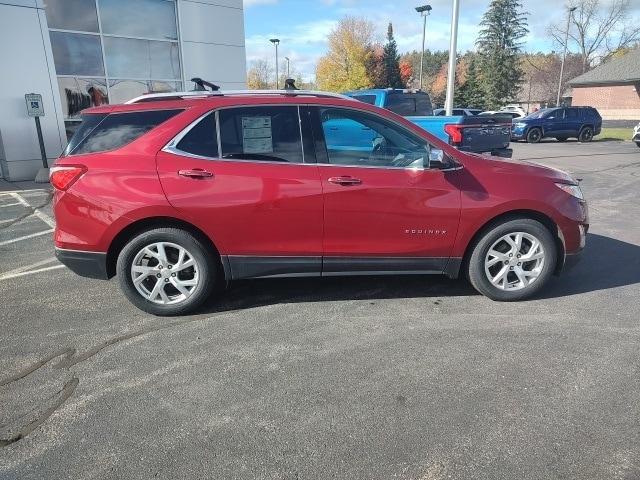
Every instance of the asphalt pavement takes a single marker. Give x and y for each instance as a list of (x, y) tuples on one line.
[(351, 378)]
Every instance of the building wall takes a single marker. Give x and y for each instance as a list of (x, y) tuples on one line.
[(614, 102), (210, 40), (27, 67)]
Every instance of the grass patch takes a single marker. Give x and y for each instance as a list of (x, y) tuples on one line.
[(615, 134)]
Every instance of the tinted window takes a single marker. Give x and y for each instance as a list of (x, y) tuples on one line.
[(457, 111), (201, 139), (370, 99), (572, 114), (116, 130), (423, 105), (85, 127), (261, 133), (401, 104), (358, 138)]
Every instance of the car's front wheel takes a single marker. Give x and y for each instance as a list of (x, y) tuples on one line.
[(513, 260), (534, 135), (166, 271)]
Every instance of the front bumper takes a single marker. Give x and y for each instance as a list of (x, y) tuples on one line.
[(85, 264)]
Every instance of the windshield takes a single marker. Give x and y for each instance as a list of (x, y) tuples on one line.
[(539, 114)]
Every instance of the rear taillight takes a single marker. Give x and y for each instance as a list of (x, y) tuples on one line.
[(64, 176), (454, 132)]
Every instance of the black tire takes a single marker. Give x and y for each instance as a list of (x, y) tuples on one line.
[(585, 135), (206, 265), (561, 139), (638, 144), (476, 265), (534, 135)]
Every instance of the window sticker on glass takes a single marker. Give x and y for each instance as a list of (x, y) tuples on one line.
[(257, 135)]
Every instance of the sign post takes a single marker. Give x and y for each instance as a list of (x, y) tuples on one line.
[(35, 109)]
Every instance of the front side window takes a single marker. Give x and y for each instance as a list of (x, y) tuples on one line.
[(261, 134), (362, 139), (572, 114), (114, 130)]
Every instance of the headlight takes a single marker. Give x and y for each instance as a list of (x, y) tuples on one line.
[(573, 190), (519, 125)]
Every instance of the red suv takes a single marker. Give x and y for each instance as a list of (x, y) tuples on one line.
[(178, 194)]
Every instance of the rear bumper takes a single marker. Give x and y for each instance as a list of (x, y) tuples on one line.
[(85, 264)]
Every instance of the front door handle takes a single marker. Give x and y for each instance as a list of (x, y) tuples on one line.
[(345, 181), (195, 173)]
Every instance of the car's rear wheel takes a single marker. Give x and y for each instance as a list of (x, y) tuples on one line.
[(166, 271), (534, 135), (513, 260), (586, 134), (561, 139), (638, 144)]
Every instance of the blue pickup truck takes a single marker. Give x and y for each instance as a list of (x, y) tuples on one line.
[(477, 134)]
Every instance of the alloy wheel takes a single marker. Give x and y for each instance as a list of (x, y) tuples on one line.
[(165, 273), (514, 261)]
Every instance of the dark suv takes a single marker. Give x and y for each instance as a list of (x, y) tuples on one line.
[(582, 123)]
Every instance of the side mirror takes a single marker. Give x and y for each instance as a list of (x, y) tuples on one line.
[(438, 160)]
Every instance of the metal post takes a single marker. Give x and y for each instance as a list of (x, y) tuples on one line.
[(43, 153), (564, 54), (288, 74), (276, 41), (424, 30), (451, 78)]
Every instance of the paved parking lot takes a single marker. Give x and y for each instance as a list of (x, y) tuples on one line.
[(403, 377)]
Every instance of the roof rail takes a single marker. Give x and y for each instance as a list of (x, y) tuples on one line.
[(151, 97)]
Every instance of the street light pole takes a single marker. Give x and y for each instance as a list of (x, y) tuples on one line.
[(276, 42), (451, 77), (564, 54), (288, 61), (423, 11)]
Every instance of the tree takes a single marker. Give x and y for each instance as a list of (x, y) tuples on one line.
[(470, 92), (344, 65), (597, 30), (260, 75), (391, 62), (499, 43), (542, 74), (406, 72), (433, 61), (375, 66)]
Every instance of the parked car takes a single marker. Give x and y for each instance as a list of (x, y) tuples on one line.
[(514, 108), (512, 114), (458, 111), (465, 132), (636, 134), (179, 194), (582, 123)]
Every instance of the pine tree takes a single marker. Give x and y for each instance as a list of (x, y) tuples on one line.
[(391, 62), (471, 94), (499, 43)]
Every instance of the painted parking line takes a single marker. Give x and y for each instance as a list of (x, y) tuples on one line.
[(36, 211), (8, 276), (41, 263), (26, 237), (10, 204), (31, 190)]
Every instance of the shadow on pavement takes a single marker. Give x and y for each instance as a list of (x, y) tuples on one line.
[(606, 263)]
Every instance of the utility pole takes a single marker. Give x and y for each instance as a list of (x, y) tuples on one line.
[(276, 42), (423, 11), (564, 54), (451, 78), (288, 61)]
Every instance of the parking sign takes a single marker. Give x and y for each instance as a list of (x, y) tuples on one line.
[(34, 104)]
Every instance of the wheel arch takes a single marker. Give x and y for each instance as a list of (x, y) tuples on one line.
[(142, 225), (514, 215)]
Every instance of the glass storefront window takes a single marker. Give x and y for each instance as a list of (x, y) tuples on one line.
[(129, 58), (123, 90), (77, 54), (139, 18), (80, 93), (79, 15)]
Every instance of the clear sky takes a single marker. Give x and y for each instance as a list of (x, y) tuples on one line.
[(303, 25)]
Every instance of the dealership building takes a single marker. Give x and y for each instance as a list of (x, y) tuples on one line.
[(82, 53)]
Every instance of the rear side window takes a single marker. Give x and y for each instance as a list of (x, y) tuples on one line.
[(114, 130), (370, 99), (571, 114), (202, 139), (401, 104), (270, 134)]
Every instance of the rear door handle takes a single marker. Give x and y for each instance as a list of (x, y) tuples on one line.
[(195, 173), (345, 181)]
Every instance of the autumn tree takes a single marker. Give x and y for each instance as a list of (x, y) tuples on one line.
[(598, 29), (469, 92), (542, 74), (391, 62), (344, 66), (499, 44), (406, 72), (374, 66), (260, 75), (433, 62)]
